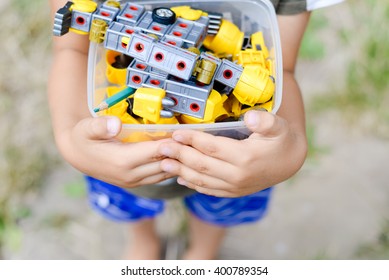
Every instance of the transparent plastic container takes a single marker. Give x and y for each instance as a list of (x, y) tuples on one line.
[(249, 15)]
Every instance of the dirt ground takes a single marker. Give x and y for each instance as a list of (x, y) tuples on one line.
[(333, 206), (328, 210)]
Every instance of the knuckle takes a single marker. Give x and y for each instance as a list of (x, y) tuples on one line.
[(179, 156), (238, 178), (230, 195), (126, 181), (268, 121), (203, 190), (132, 178), (95, 127), (211, 149), (199, 183), (122, 164), (124, 168), (245, 159), (200, 167), (157, 157), (166, 175)]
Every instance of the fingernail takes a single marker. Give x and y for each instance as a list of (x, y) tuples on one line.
[(178, 137), (251, 118), (113, 126), (167, 167), (166, 151), (181, 181)]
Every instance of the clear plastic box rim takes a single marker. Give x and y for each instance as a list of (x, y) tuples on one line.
[(271, 22)]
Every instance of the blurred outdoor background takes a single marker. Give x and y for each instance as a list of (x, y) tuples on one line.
[(337, 207)]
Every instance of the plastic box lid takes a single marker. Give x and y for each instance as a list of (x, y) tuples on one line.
[(249, 15)]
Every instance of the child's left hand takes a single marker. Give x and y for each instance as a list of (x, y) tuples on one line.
[(226, 167)]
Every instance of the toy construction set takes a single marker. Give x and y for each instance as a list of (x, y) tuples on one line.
[(164, 65)]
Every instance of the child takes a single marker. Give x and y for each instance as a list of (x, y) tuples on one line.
[(224, 182)]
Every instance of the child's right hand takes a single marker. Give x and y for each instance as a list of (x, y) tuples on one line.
[(91, 147)]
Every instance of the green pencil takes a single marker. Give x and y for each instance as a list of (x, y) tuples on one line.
[(114, 99)]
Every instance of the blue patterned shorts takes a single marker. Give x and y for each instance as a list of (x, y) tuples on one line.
[(117, 204)]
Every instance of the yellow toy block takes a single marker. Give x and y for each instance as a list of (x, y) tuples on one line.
[(228, 41), (186, 12), (114, 75), (148, 103), (86, 6), (255, 85)]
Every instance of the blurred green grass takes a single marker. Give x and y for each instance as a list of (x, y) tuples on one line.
[(378, 249), (364, 100), (313, 45)]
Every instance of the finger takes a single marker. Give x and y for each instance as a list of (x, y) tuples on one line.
[(264, 123), (128, 183), (132, 177), (154, 179), (141, 172), (101, 128), (207, 191), (193, 178), (210, 145), (131, 155), (195, 160), (141, 153)]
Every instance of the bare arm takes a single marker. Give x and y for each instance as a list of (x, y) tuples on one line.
[(275, 150), (68, 74), (292, 29)]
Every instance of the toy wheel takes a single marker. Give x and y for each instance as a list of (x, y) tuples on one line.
[(164, 15)]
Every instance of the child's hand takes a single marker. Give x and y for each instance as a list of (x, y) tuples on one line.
[(92, 148), (225, 167)]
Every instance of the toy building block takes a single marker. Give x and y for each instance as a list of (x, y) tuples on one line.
[(149, 103), (227, 41), (214, 110), (82, 14), (190, 97), (156, 54), (130, 14), (62, 20)]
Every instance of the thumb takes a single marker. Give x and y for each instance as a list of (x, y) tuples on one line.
[(100, 128), (265, 123)]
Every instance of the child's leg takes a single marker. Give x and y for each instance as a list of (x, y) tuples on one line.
[(145, 243), (210, 216), (119, 205), (204, 240)]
